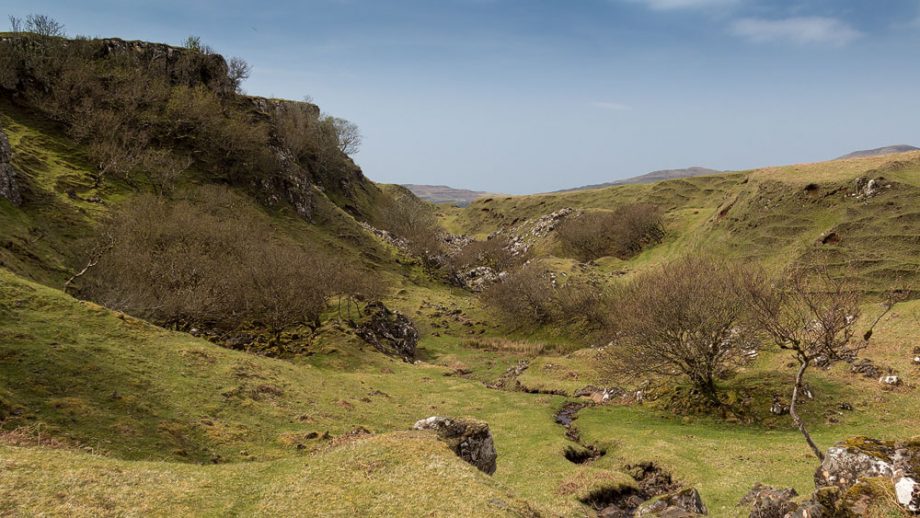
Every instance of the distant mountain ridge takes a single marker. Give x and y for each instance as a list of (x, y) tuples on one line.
[(654, 176), (444, 194), (887, 150)]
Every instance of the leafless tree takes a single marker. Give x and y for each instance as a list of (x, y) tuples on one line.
[(622, 232), (349, 136), (681, 319), (238, 70), (43, 25), (813, 315)]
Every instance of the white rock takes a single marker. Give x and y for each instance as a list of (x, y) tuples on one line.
[(908, 493), (891, 379)]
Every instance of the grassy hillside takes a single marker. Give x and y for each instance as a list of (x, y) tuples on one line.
[(105, 414), (776, 215)]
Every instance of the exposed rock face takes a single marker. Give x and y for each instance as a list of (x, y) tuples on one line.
[(471, 440), (390, 332), (9, 188), (843, 467), (181, 65), (684, 503), (858, 462), (478, 278), (769, 502)]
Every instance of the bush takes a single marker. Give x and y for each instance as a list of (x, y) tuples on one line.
[(413, 220), (684, 318), (524, 297), (211, 260), (494, 253), (621, 233)]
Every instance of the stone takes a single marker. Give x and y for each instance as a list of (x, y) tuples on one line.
[(845, 466), (9, 185), (778, 407), (866, 368), (890, 380), (390, 332), (471, 440), (908, 493), (684, 503), (770, 502)]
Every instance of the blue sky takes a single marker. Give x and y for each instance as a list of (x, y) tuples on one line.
[(524, 96)]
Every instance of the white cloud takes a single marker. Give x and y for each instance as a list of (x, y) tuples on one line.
[(799, 30), (614, 107), (669, 5)]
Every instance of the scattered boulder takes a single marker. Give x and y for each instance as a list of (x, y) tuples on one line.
[(869, 187), (866, 368), (845, 466), (890, 380), (9, 187), (770, 502), (859, 472), (907, 491), (471, 440), (778, 407), (390, 332), (478, 278), (684, 503)]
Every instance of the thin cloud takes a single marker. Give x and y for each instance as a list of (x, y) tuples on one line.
[(671, 5), (611, 106), (799, 30)]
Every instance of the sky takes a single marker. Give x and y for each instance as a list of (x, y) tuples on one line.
[(523, 96)]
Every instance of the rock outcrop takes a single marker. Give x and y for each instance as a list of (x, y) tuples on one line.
[(855, 478), (685, 503), (9, 186), (770, 502), (390, 332), (471, 440)]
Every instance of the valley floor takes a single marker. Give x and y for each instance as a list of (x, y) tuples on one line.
[(327, 435)]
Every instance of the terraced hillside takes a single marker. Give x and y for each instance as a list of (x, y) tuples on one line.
[(776, 215)]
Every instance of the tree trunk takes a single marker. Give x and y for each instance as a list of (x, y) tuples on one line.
[(795, 416)]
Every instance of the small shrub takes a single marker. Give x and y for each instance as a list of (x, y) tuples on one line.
[(621, 233), (525, 297)]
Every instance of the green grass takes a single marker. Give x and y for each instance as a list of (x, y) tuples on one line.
[(404, 473), (765, 215)]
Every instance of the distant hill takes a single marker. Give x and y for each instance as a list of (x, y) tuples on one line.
[(444, 194), (654, 176), (888, 150)]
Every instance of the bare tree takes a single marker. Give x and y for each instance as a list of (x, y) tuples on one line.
[(163, 169), (15, 24), (682, 319), (814, 316), (43, 25), (349, 136), (238, 71)]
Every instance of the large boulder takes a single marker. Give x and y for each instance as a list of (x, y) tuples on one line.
[(859, 471), (770, 502), (858, 459), (685, 503), (9, 188), (471, 440), (390, 332)]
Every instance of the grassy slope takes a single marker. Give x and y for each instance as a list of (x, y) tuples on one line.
[(765, 215), (154, 404), (401, 473), (132, 391)]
